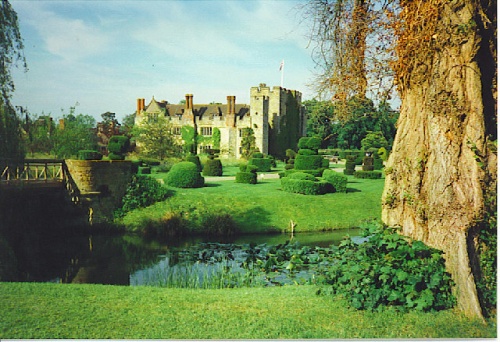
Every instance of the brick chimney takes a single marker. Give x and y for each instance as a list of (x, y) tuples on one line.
[(140, 105), (231, 110), (188, 111)]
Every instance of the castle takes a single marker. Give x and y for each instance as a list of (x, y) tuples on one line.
[(275, 115)]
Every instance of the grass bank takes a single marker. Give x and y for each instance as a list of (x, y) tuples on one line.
[(264, 207), (39, 311)]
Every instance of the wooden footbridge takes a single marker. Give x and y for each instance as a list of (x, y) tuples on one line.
[(37, 174)]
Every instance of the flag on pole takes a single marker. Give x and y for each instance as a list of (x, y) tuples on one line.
[(282, 64)]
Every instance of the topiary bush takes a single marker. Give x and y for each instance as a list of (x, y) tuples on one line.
[(350, 164), (194, 159), (315, 173), (306, 152), (118, 145), (247, 174), (89, 155), (368, 174), (184, 175), (302, 183), (212, 167), (391, 270), (337, 180), (368, 163), (308, 162), (263, 164), (144, 170)]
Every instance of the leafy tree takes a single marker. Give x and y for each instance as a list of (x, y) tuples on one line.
[(320, 120), (75, 133), (11, 53), (374, 140), (40, 134), (154, 138), (128, 124)]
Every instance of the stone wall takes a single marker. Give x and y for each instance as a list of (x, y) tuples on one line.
[(102, 185)]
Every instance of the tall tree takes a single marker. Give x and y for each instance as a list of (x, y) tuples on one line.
[(441, 187), (442, 174), (77, 132), (154, 137), (11, 53)]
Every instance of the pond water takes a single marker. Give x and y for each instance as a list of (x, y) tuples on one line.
[(131, 260)]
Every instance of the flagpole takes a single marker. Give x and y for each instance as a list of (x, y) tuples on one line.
[(282, 68)]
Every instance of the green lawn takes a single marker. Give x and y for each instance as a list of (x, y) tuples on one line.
[(41, 311), (265, 207)]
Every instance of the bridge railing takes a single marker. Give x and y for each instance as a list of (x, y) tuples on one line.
[(32, 170)]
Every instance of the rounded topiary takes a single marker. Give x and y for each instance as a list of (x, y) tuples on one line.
[(314, 143), (114, 156), (302, 176), (303, 143), (196, 160), (305, 187), (184, 175), (213, 167), (350, 164), (306, 152), (257, 155)]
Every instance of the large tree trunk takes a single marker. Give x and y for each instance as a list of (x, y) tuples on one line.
[(443, 164)]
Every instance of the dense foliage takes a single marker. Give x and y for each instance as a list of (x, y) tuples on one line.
[(368, 174), (336, 179), (212, 167), (247, 142), (118, 145), (388, 269), (247, 174), (89, 155), (306, 184), (185, 175), (141, 192), (194, 159), (154, 138), (76, 133)]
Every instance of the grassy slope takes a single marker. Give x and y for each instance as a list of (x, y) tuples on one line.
[(97, 311), (264, 207)]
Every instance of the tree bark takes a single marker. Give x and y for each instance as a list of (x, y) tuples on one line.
[(443, 162)]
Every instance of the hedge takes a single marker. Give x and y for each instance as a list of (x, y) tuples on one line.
[(315, 173), (368, 174), (114, 156), (213, 167), (338, 180), (184, 175), (246, 177), (306, 152), (302, 176), (305, 187), (263, 164), (305, 162)]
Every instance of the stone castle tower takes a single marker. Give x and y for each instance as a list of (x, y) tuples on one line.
[(275, 115)]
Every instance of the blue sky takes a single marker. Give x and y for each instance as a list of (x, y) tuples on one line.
[(103, 55)]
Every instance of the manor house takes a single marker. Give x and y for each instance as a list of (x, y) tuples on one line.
[(275, 115)]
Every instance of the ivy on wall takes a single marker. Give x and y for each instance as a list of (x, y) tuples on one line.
[(216, 138), (288, 133), (190, 138)]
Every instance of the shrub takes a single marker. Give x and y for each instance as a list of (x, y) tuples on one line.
[(378, 164), (302, 176), (306, 152), (196, 160), (305, 162), (368, 163), (246, 177), (114, 156), (144, 170), (315, 173), (368, 174), (289, 166), (218, 224), (252, 168), (118, 144), (350, 164), (391, 270), (257, 155), (263, 164), (305, 187), (325, 163), (314, 143), (171, 225), (150, 161), (141, 192), (213, 167), (303, 143), (184, 175), (89, 155), (337, 180), (290, 154)]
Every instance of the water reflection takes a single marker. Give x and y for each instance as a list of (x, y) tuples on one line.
[(112, 259)]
